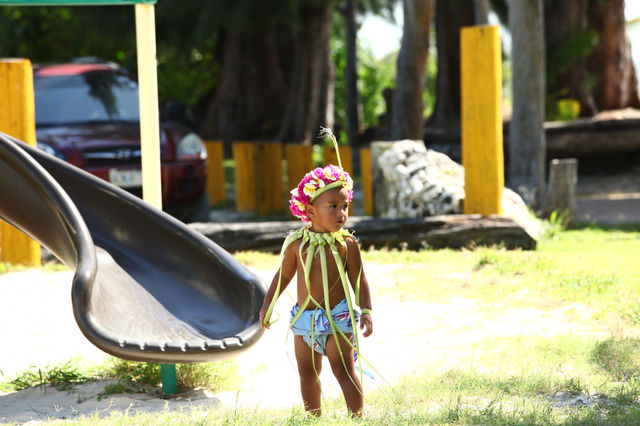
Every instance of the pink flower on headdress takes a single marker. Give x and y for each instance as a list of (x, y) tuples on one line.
[(311, 183)]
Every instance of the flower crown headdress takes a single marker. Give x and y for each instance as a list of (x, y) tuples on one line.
[(319, 181)]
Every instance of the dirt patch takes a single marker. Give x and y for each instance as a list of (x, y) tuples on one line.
[(407, 336)]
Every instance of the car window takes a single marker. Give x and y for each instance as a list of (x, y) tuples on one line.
[(93, 97)]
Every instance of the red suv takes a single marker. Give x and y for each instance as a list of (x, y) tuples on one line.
[(87, 113)]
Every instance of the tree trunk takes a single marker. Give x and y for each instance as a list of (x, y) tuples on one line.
[(589, 55), (568, 42), (611, 61), (351, 73), (250, 99), (526, 132), (451, 16), (274, 81), (308, 93), (481, 10), (406, 120)]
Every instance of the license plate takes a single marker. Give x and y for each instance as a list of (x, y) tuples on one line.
[(125, 178)]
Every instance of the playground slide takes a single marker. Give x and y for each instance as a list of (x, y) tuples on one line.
[(146, 287)]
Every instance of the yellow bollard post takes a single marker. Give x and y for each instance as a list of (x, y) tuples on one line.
[(299, 158), (329, 156), (269, 185), (258, 177), (244, 177), (366, 181), (481, 94), (18, 120), (215, 172)]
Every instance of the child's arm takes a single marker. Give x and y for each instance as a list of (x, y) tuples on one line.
[(288, 270), (354, 268)]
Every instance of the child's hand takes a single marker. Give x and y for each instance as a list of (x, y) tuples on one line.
[(263, 314), (366, 324)]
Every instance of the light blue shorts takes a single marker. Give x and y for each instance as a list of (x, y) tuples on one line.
[(317, 321)]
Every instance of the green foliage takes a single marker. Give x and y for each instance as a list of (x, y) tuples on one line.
[(430, 77), (132, 376), (58, 34), (561, 58), (62, 377), (374, 76), (136, 375)]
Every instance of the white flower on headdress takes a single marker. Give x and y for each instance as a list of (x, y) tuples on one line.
[(300, 205), (349, 184), (310, 189), (294, 192), (327, 173)]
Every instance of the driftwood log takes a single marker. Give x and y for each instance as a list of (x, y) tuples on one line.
[(446, 231), (585, 138)]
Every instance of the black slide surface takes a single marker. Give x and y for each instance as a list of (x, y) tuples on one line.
[(146, 287)]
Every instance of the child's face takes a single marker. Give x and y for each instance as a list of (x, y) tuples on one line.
[(329, 212)]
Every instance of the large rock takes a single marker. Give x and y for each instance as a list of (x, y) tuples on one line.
[(420, 182)]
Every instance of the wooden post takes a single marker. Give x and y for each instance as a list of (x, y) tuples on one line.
[(367, 181), (18, 120), (215, 172), (561, 191), (329, 156), (299, 158), (269, 184), (243, 155), (258, 177), (481, 92)]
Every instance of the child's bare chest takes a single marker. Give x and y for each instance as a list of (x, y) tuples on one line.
[(319, 280)]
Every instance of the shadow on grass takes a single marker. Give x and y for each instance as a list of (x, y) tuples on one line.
[(623, 227), (620, 358)]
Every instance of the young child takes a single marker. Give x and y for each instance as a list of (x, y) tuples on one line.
[(324, 256)]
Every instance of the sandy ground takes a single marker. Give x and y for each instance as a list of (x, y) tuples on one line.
[(38, 329)]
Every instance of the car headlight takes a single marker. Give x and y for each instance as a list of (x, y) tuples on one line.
[(191, 147), (51, 150)]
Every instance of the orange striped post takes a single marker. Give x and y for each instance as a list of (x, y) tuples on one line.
[(18, 120), (481, 93), (366, 181), (215, 172)]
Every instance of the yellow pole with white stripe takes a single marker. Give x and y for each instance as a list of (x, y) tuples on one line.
[(18, 120)]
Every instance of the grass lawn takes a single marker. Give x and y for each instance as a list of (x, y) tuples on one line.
[(590, 278)]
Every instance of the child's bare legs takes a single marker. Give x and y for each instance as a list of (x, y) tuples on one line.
[(347, 378), (309, 378)]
